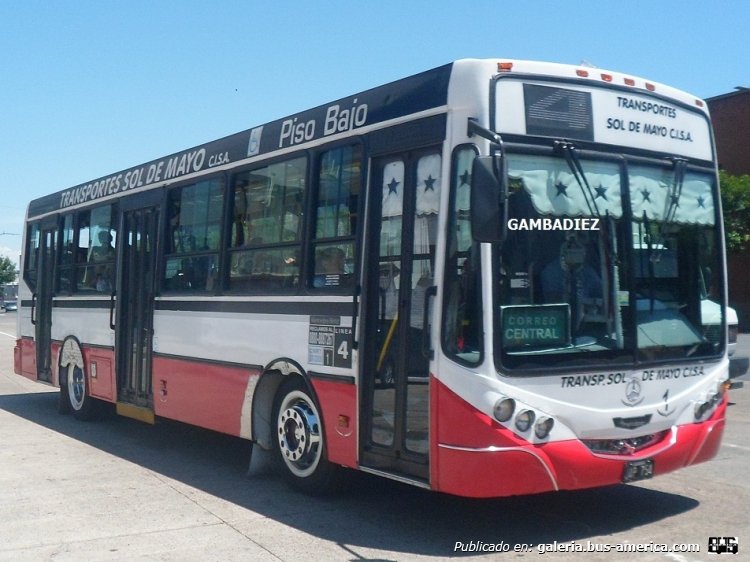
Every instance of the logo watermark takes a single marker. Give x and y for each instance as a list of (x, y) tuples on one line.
[(582, 546), (719, 545)]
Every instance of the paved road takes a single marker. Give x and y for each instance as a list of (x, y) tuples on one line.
[(122, 490)]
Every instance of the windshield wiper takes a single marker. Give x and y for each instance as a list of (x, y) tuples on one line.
[(574, 163), (650, 259), (675, 190), (671, 202), (613, 269)]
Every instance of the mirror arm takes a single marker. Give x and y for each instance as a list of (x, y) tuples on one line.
[(474, 128)]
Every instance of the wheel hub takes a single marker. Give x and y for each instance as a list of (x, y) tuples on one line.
[(299, 434)]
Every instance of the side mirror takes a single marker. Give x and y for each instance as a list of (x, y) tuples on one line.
[(489, 212)]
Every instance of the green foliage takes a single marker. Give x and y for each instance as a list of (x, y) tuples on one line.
[(735, 202), (7, 270)]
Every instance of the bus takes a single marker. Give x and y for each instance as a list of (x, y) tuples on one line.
[(8, 296), (496, 277)]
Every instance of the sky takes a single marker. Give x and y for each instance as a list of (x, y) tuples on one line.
[(91, 87)]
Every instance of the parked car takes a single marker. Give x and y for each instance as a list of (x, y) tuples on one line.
[(738, 366), (711, 313)]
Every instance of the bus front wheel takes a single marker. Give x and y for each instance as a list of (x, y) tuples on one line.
[(300, 441)]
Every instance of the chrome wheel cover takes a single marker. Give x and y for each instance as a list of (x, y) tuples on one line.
[(299, 433)]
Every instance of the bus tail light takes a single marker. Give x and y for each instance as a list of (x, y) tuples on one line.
[(543, 427), (504, 409), (524, 420)]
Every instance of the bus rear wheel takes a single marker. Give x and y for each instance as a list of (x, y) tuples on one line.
[(74, 391), (300, 441), (82, 405)]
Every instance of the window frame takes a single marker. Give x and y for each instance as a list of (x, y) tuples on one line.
[(452, 238), (164, 248), (229, 250), (31, 274), (77, 264), (313, 243)]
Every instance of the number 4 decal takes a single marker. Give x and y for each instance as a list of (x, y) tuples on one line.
[(343, 350), (342, 344)]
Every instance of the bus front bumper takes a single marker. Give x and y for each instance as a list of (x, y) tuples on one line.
[(506, 465)]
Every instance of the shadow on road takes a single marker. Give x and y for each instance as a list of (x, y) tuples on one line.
[(373, 512)]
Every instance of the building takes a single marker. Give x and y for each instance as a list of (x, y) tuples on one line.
[(731, 117), (731, 120)]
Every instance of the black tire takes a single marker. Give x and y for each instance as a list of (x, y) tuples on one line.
[(300, 440), (63, 402)]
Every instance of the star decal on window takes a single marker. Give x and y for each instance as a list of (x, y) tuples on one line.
[(646, 195), (393, 186), (429, 184), (561, 189), (601, 191), (465, 178)]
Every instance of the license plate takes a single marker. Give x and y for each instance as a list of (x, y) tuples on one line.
[(638, 470)]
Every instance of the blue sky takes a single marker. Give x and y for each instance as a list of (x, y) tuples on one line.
[(92, 87)]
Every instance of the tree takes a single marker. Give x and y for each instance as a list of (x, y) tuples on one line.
[(735, 202), (7, 270)]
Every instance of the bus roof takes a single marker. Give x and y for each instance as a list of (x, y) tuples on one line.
[(408, 96), (411, 95), (602, 77)]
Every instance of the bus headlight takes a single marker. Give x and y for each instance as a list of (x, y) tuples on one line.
[(524, 419), (504, 409), (543, 427)]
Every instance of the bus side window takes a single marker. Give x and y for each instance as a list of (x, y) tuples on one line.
[(95, 252), (192, 250), (266, 228), (462, 321), (32, 256), (336, 212), (65, 272)]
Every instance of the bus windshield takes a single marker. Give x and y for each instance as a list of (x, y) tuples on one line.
[(606, 261)]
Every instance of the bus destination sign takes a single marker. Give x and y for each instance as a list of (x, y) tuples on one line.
[(558, 112), (611, 116), (535, 326)]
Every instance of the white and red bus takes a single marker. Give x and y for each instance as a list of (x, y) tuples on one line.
[(492, 278)]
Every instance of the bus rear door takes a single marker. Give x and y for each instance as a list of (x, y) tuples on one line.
[(41, 313), (135, 308)]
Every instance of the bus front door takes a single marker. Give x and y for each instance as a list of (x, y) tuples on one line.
[(42, 299), (135, 308), (395, 406)]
